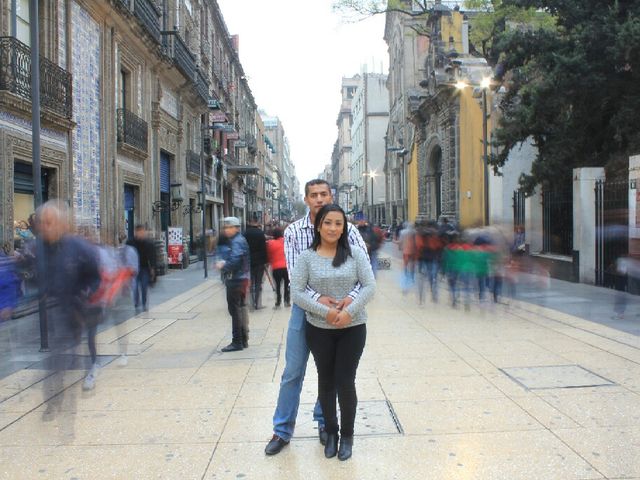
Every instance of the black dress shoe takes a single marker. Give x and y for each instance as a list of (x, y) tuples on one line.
[(232, 347), (275, 445), (346, 445), (331, 447), (322, 434)]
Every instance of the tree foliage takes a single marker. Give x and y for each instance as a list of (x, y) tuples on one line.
[(574, 89)]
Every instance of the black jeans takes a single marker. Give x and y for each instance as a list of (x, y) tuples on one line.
[(235, 303), (337, 354), (257, 272), (281, 275)]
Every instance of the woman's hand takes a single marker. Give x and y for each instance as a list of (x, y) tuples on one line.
[(342, 319), (332, 316)]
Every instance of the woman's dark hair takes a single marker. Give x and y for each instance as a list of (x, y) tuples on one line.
[(277, 233), (344, 249)]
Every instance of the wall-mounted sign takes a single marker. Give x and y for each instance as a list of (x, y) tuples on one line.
[(218, 117), (213, 104), (233, 136), (240, 144), (238, 199)]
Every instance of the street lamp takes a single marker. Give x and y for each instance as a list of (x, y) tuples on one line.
[(485, 85), (371, 174)]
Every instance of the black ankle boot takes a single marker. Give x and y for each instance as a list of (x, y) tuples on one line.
[(331, 447), (346, 445)]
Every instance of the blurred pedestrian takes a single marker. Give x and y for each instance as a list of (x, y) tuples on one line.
[(429, 246), (146, 267), (278, 262), (407, 245), (335, 336), (373, 240), (71, 277), (258, 260), (235, 266)]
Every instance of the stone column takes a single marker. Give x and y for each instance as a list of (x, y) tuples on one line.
[(584, 220)]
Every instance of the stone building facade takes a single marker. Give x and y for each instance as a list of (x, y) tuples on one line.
[(139, 98)]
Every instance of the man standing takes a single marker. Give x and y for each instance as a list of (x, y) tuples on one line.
[(235, 268), (146, 269), (258, 255), (298, 237)]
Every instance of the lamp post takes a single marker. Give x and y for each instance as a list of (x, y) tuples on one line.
[(485, 84), (371, 174)]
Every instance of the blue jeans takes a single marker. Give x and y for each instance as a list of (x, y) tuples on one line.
[(296, 356), (141, 288)]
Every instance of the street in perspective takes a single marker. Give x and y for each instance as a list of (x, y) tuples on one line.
[(365, 239)]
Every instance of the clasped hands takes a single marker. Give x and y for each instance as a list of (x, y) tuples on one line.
[(337, 316)]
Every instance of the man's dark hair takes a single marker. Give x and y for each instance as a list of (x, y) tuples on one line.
[(277, 233), (343, 249), (315, 181)]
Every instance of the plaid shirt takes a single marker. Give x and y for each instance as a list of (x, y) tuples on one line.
[(298, 237)]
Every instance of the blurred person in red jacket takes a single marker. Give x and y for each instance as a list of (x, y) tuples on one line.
[(278, 262)]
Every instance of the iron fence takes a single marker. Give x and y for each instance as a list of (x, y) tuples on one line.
[(519, 208), (612, 232), (557, 221), (15, 77), (149, 15), (178, 51)]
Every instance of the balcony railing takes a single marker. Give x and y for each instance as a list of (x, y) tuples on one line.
[(193, 163), (15, 77), (132, 130), (202, 85), (178, 51), (149, 15)]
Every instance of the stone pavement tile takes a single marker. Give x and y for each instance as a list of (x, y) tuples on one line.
[(7, 418), (410, 367), (227, 371), (599, 409), (117, 427), (595, 361), (525, 360), (254, 424), (614, 451), (267, 350), (626, 377), (544, 413), (148, 331), (461, 416), (488, 456), (113, 375), (264, 370), (102, 462), (563, 345), (159, 359), (108, 398), (23, 378), (34, 396), (406, 389)]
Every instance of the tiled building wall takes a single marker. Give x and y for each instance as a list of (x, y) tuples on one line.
[(86, 114)]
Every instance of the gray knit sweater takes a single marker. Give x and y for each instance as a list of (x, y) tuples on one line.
[(317, 272)]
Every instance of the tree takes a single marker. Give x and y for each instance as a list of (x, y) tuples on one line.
[(574, 89)]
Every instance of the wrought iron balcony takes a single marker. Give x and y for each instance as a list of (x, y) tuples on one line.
[(132, 130), (149, 15), (15, 77), (213, 187), (202, 85), (193, 163), (178, 51)]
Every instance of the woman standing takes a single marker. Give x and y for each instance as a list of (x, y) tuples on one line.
[(278, 262), (336, 337)]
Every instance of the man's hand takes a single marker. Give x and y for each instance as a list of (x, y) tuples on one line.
[(331, 316), (342, 319), (344, 303), (328, 301), (220, 264)]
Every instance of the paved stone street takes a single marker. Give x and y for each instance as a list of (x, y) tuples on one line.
[(514, 391)]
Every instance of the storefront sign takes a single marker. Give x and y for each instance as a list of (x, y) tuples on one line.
[(233, 136), (176, 249), (218, 117)]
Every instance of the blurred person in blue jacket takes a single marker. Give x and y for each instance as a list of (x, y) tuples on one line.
[(9, 286)]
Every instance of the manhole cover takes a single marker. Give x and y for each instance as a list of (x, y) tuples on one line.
[(555, 376)]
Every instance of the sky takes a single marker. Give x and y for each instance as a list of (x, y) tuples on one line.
[(295, 53)]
